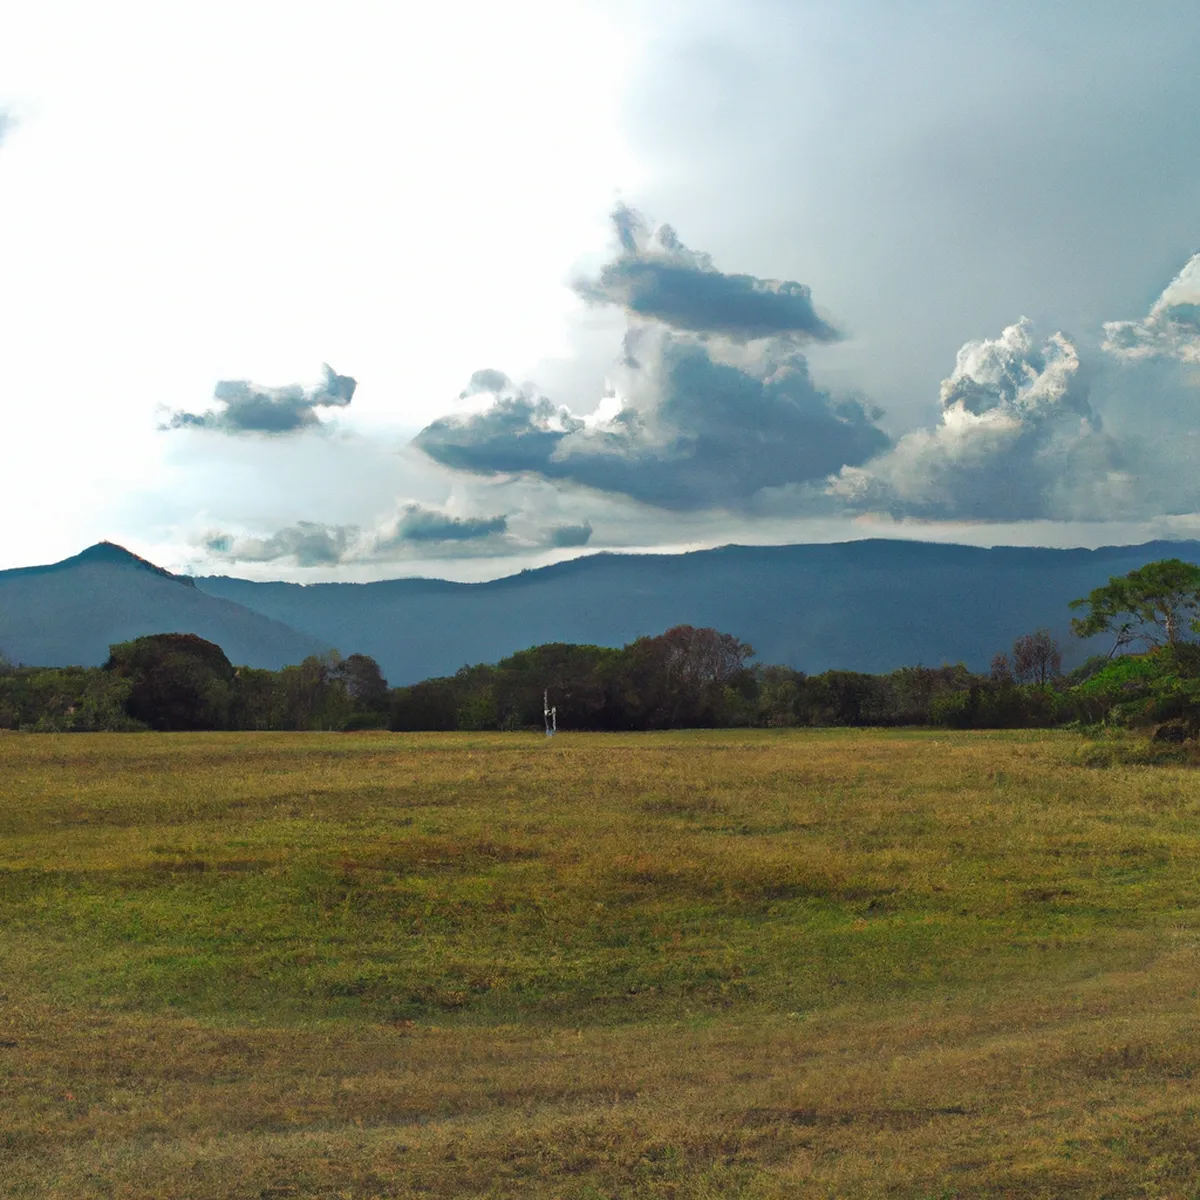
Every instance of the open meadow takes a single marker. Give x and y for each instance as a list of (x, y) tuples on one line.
[(761, 964)]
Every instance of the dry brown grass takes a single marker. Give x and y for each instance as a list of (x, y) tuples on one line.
[(697, 965)]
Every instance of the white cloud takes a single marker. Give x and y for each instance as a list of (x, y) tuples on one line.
[(236, 191), (1172, 327), (1017, 440)]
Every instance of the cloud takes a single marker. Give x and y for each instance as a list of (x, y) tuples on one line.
[(315, 544), (712, 400), (655, 276), (419, 524), (1172, 327), (692, 428), (518, 432), (249, 408), (309, 543), (1017, 440), (562, 536), (486, 380)]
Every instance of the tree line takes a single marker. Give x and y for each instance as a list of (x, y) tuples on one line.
[(684, 678), (178, 681)]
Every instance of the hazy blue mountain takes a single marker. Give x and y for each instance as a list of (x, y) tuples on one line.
[(70, 612), (866, 605)]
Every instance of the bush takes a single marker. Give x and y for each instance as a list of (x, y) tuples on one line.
[(1003, 706), (65, 700), (1140, 690)]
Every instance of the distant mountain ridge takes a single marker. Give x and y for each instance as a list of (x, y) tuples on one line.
[(69, 613), (101, 552), (869, 605)]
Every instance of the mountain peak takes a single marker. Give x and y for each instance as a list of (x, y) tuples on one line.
[(110, 552)]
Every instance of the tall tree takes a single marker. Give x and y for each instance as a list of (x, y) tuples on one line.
[(1036, 658), (1154, 604), (681, 678), (364, 682), (177, 680)]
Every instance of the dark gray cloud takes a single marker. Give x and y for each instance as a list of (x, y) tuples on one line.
[(486, 380), (1172, 327), (691, 430), (414, 529), (714, 403), (309, 543), (656, 276), (517, 433), (249, 408), (419, 524), (1017, 440), (570, 535)]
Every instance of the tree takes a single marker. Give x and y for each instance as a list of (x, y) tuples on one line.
[(681, 679), (1154, 604), (177, 680), (65, 700), (907, 695), (1036, 658), (780, 691), (312, 695), (255, 699), (1001, 674), (844, 697), (364, 682), (579, 680), (430, 704)]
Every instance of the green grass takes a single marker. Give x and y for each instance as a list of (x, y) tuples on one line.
[(762, 963)]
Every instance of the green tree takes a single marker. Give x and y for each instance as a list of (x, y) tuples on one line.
[(255, 699), (844, 698), (579, 680), (779, 695), (65, 700), (430, 704), (177, 681), (1154, 604), (680, 678), (312, 694), (364, 682)]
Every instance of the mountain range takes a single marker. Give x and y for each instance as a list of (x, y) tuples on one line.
[(870, 605), (70, 612)]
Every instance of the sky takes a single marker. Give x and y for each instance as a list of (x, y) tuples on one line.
[(356, 291)]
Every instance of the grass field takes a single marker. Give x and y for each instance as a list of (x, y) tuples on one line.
[(761, 964)]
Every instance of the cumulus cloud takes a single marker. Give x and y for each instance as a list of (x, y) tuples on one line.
[(415, 523), (486, 380), (1172, 327), (413, 529), (249, 408), (308, 543), (655, 276), (562, 536), (691, 428), (1017, 440), (712, 399)]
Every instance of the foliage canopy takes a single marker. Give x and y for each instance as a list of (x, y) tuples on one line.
[(1154, 604)]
